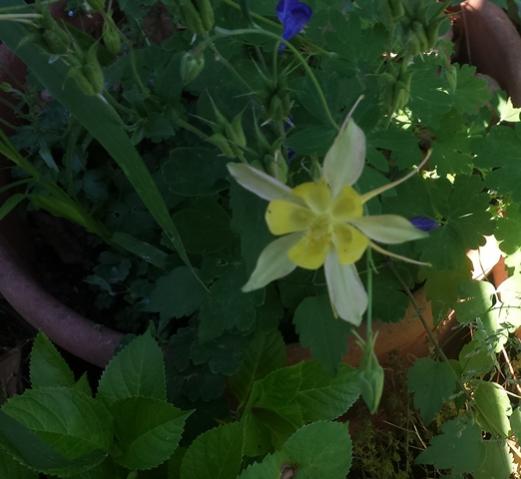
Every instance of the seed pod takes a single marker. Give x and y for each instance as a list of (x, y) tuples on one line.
[(81, 80), (235, 132), (111, 37), (370, 376), (92, 69), (419, 31), (278, 167), (191, 17), (433, 31), (413, 47), (220, 141), (396, 8), (191, 65), (206, 14), (55, 42)]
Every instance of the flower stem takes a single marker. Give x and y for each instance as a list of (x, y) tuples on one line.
[(369, 325)]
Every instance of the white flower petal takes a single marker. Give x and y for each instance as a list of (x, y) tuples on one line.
[(346, 291), (258, 182), (273, 263), (345, 159), (389, 229)]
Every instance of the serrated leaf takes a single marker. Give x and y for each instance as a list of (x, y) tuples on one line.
[(136, 371), (47, 367), (459, 447), (147, 432), (11, 469), (492, 407), (497, 462), (318, 330), (476, 358), (76, 429), (265, 353), (432, 383), (515, 423), (215, 454), (321, 449), (106, 470)]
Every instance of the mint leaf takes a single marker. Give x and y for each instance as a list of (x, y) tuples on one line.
[(73, 424), (265, 353), (47, 367), (492, 407), (318, 330), (321, 449), (136, 371), (432, 383), (215, 454), (147, 432), (459, 447), (11, 469)]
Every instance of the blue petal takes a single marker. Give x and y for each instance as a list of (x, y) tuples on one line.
[(294, 16), (424, 223)]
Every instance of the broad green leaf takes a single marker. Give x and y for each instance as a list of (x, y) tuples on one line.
[(492, 407), (195, 171), (515, 423), (459, 447), (321, 449), (10, 204), (312, 140), (47, 367), (476, 358), (82, 385), (265, 353), (215, 454), (475, 300), (100, 119), (106, 470), (176, 294), (136, 371), (497, 462), (147, 432), (432, 383), (11, 469), (28, 448), (74, 426), (318, 330)]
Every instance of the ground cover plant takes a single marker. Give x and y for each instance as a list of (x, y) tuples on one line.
[(245, 176)]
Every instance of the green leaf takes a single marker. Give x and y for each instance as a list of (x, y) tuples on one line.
[(195, 171), (321, 449), (72, 424), (215, 454), (147, 432), (293, 396), (459, 447), (106, 470), (48, 368), (312, 140), (497, 463), (265, 353), (176, 294), (100, 120), (318, 330), (29, 449), (492, 407), (515, 423), (432, 383), (207, 224), (226, 307), (476, 358), (10, 204), (11, 469), (136, 371), (475, 300)]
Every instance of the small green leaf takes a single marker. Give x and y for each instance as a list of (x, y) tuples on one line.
[(147, 432), (497, 462), (318, 330), (10, 204), (432, 383), (459, 447), (136, 371), (48, 368), (492, 407), (322, 449), (216, 454), (265, 353)]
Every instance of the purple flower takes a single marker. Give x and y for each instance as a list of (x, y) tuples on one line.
[(424, 223), (294, 16)]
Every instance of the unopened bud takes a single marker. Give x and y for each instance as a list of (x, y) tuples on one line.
[(191, 66)]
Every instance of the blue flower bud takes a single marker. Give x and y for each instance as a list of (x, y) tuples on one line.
[(424, 223), (294, 16)]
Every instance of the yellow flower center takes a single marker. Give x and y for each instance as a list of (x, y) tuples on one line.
[(324, 220)]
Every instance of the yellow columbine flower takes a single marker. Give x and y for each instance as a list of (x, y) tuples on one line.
[(323, 223)]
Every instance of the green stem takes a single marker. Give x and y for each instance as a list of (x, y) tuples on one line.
[(250, 31), (369, 261)]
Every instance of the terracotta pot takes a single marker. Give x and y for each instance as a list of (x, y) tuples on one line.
[(490, 41)]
